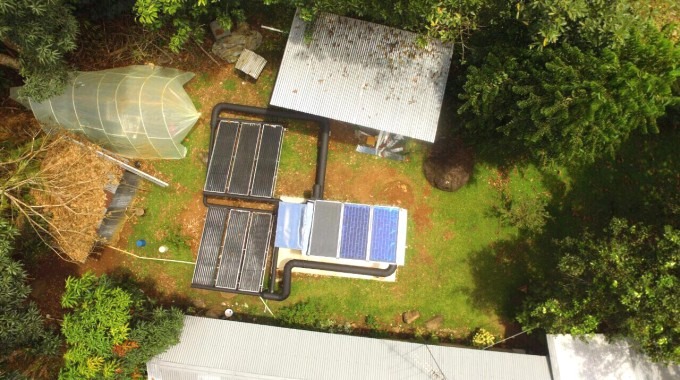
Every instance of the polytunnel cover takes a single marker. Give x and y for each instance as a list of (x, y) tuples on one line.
[(135, 111)]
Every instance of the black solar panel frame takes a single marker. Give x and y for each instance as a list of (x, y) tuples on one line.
[(267, 164), (252, 271), (244, 159), (210, 246), (235, 236), (221, 156)]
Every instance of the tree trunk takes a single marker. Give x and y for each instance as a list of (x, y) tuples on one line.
[(6, 60)]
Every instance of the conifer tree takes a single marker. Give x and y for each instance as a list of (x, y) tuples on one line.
[(35, 36)]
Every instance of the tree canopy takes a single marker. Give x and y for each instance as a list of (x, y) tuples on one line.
[(111, 331), (568, 81), (21, 324), (188, 19), (35, 37), (623, 282), (567, 104)]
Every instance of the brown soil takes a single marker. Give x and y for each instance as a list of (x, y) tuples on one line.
[(193, 218), (378, 185), (48, 277)]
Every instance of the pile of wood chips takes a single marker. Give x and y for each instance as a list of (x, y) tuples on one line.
[(73, 194)]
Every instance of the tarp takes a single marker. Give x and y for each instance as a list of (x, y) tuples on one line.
[(293, 224), (134, 111)]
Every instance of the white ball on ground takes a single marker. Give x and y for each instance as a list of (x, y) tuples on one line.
[(163, 248)]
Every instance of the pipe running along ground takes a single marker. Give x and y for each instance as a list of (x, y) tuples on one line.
[(317, 193), (290, 265), (322, 145)]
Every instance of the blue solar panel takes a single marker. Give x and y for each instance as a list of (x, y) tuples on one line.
[(354, 240), (384, 231)]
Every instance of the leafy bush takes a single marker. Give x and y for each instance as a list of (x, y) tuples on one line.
[(312, 314), (483, 338), (308, 313), (188, 19), (21, 325), (112, 332), (623, 282), (526, 213)]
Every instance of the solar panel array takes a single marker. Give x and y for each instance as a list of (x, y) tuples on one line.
[(234, 249), (355, 231), (244, 159)]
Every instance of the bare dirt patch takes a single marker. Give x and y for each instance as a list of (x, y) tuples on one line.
[(192, 219), (398, 192), (47, 276), (377, 184)]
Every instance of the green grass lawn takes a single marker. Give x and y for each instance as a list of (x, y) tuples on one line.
[(459, 262), (446, 257)]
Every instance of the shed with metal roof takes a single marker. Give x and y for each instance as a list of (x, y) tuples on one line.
[(594, 357), (365, 74), (223, 349)]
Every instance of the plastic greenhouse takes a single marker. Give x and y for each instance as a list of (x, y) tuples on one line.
[(135, 111)]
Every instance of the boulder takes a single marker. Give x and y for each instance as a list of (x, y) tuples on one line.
[(230, 47), (449, 165), (434, 323), (410, 316), (199, 303)]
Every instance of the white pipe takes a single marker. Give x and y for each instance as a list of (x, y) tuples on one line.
[(273, 29), (133, 169), (125, 166)]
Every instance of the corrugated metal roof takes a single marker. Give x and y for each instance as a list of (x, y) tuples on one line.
[(250, 63), (365, 74), (573, 358), (219, 349)]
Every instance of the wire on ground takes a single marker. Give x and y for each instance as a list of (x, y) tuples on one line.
[(150, 258)]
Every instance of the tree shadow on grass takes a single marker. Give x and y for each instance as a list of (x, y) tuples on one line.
[(640, 184), (502, 273), (126, 279)]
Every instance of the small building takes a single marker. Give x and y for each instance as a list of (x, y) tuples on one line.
[(222, 349), (365, 74), (573, 358)]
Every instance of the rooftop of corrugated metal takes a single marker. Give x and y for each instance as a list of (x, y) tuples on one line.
[(365, 74), (228, 349)]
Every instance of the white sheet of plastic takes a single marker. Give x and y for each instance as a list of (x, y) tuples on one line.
[(134, 111)]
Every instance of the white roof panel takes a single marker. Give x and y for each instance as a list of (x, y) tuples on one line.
[(572, 358), (220, 349)]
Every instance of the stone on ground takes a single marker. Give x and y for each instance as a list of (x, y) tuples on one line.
[(230, 47), (434, 323), (410, 316)]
